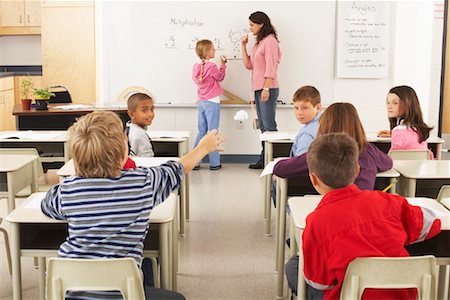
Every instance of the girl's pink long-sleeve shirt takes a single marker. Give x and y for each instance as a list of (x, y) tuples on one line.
[(264, 60), (209, 86)]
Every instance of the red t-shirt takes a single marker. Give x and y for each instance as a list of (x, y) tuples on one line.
[(129, 164), (350, 223)]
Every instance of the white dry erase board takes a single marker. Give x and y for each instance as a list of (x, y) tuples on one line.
[(151, 44), (362, 39)]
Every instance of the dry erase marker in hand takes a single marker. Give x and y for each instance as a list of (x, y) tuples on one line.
[(223, 58)]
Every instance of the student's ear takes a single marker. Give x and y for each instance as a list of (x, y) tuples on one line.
[(318, 107), (314, 179), (358, 170), (130, 114)]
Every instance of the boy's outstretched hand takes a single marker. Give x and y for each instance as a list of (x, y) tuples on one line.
[(209, 143)]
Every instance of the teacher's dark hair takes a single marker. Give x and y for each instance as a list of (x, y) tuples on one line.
[(259, 17)]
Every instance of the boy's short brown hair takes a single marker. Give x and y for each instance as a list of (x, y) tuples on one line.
[(307, 93), (97, 144), (202, 48), (134, 100), (333, 157)]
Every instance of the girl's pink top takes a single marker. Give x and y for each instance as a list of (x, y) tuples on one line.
[(405, 138), (209, 85), (264, 60)]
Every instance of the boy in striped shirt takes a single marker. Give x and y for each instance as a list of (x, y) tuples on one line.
[(107, 208)]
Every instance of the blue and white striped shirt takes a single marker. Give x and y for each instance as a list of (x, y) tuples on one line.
[(109, 217)]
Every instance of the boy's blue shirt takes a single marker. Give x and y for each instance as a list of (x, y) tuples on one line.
[(305, 136)]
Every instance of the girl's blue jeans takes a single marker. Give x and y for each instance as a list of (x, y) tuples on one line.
[(208, 119)]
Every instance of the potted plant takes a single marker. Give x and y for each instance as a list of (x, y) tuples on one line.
[(41, 96), (26, 86)]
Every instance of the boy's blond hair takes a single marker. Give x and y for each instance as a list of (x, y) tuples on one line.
[(97, 145), (134, 100), (202, 48), (307, 93)]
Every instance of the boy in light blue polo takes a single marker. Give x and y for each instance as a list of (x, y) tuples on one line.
[(307, 111)]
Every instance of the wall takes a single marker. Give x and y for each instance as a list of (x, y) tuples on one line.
[(20, 50), (126, 42)]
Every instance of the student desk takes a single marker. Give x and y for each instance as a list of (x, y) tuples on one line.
[(69, 170), (33, 234), (446, 202), (384, 143), (173, 144), (422, 177), (438, 246), (16, 173), (276, 144), (51, 145), (301, 187)]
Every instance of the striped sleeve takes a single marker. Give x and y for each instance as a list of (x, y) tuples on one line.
[(51, 204), (164, 179)]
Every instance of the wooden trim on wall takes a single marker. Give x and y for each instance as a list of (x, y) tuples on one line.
[(22, 30)]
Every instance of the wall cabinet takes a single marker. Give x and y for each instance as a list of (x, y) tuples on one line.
[(19, 17), (7, 121)]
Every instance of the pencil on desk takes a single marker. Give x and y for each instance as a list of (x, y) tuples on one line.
[(389, 186)]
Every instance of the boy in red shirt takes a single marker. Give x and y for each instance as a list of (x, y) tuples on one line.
[(350, 223)]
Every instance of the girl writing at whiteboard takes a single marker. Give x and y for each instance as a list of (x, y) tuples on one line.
[(408, 130), (263, 61), (207, 77)]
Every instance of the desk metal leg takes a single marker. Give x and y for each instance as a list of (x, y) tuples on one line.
[(165, 254), (182, 205), (15, 255), (183, 148), (281, 235), (277, 225), (267, 206), (174, 257), (188, 207), (35, 179), (411, 187), (42, 269), (301, 284), (443, 282), (11, 193)]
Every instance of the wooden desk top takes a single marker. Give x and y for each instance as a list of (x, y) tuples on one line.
[(13, 162), (18, 111), (29, 211), (69, 169), (301, 207), (423, 169)]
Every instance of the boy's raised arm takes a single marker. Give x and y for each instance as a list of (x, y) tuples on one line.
[(209, 143)]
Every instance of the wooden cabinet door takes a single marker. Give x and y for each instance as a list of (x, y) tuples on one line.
[(12, 13), (32, 13), (6, 108)]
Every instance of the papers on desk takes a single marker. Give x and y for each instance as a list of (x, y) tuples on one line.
[(29, 135), (269, 167), (419, 202), (74, 106), (276, 135), (167, 134), (34, 201), (373, 136)]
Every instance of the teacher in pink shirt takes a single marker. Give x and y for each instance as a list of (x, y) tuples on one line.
[(263, 61)]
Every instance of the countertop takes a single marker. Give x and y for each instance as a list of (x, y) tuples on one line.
[(6, 71)]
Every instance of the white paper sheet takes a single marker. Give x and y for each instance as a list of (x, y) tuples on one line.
[(35, 201)]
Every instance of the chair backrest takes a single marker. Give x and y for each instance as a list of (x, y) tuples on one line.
[(390, 272), (115, 274), (444, 192), (409, 154), (24, 151)]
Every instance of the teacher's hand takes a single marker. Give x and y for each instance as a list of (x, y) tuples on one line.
[(244, 40), (265, 95)]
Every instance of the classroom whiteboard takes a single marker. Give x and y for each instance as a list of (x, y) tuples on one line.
[(151, 44), (362, 39)]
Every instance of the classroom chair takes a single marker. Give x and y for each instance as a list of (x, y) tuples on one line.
[(115, 274), (444, 192), (410, 154), (7, 249), (390, 272)]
